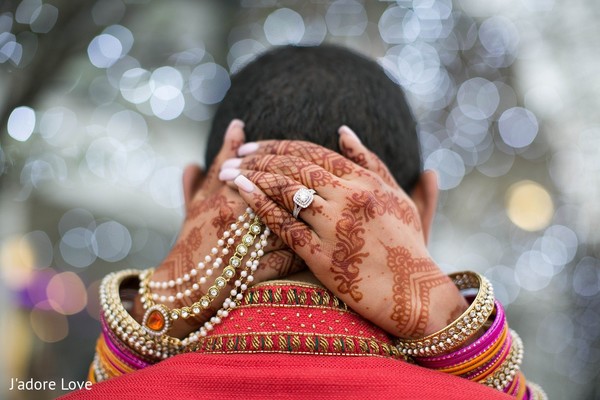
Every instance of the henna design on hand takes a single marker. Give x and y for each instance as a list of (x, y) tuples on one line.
[(219, 203), (181, 260), (292, 232), (400, 208), (376, 203), (283, 262), (347, 253), (413, 280), (296, 168), (314, 154), (358, 158), (371, 162)]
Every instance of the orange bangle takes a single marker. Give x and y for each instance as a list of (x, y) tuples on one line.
[(480, 360)]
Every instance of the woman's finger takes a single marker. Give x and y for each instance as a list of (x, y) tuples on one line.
[(325, 158), (295, 197), (356, 151), (307, 173), (283, 190), (293, 232)]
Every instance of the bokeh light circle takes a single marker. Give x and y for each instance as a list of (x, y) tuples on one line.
[(104, 50), (76, 247), (518, 127), (586, 278), (478, 98), (49, 326), (533, 272), (346, 18), (284, 26), (449, 166), (66, 293), (209, 82), (529, 205), (111, 241), (21, 123), (135, 85)]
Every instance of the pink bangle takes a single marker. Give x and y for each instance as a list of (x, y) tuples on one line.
[(120, 349), (479, 346)]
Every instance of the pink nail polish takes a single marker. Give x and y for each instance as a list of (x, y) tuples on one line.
[(244, 183), (247, 149), (228, 174), (345, 130), (231, 163)]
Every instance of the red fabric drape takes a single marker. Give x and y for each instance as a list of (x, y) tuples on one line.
[(285, 376)]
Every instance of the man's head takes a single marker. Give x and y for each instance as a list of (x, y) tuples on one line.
[(307, 93)]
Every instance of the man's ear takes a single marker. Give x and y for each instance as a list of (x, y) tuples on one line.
[(193, 177), (425, 197)]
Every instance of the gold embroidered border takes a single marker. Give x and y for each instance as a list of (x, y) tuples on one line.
[(292, 296), (295, 343)]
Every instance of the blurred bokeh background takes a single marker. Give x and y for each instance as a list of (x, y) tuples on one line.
[(103, 102)]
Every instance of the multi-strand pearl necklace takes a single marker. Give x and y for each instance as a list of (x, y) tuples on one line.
[(158, 318), (207, 265), (246, 277)]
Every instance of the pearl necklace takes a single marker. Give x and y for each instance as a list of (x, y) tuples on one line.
[(236, 294), (225, 242), (158, 318)]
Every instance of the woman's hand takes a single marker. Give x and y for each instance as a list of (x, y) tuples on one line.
[(362, 236), (211, 206)]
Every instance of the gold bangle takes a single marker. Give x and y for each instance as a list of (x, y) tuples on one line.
[(125, 327), (464, 327)]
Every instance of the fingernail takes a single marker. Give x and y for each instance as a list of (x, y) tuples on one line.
[(228, 174), (244, 183), (247, 148), (345, 130), (235, 123), (231, 163)]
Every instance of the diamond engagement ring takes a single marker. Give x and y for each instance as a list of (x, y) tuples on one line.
[(302, 199)]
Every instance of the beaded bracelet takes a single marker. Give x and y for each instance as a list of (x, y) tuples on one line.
[(506, 371), (463, 328), (158, 318), (97, 372), (126, 328), (536, 392), (474, 350)]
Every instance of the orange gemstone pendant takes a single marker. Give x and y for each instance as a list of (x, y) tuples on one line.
[(156, 320)]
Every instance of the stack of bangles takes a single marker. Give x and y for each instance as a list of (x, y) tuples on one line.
[(477, 346)]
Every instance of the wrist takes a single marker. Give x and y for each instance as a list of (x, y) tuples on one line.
[(446, 304)]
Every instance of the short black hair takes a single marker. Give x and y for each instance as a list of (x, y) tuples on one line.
[(307, 93)]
